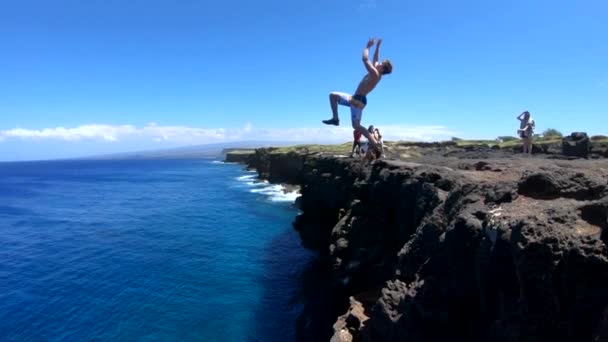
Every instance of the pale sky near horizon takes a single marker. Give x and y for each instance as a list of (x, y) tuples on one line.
[(81, 78)]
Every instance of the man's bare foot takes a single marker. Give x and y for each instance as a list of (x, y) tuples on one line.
[(335, 122)]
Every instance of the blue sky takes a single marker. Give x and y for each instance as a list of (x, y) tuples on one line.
[(87, 77)]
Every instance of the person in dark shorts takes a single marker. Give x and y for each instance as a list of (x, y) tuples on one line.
[(358, 101)]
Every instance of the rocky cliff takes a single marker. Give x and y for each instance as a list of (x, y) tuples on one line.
[(472, 246)]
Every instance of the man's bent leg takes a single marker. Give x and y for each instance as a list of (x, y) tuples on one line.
[(336, 98)]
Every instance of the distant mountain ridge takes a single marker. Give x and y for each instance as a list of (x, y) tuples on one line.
[(191, 152)]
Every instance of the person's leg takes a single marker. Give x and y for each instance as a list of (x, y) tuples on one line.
[(378, 151), (373, 156), (336, 98), (366, 134), (530, 146), (363, 149), (527, 149), (356, 114), (368, 156)]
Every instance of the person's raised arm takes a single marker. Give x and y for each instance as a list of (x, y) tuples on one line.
[(520, 117), (377, 52), (368, 65)]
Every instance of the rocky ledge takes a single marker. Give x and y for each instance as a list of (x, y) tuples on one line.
[(468, 246)]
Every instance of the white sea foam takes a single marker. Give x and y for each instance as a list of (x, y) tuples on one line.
[(286, 197), (274, 192), (221, 162), (252, 181), (245, 178), (257, 183)]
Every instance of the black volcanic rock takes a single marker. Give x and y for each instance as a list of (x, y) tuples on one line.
[(446, 249), (576, 145), (562, 183), (241, 158)]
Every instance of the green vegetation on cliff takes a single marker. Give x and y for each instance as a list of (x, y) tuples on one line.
[(344, 148), (406, 146)]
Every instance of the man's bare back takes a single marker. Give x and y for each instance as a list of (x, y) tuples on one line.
[(358, 101)]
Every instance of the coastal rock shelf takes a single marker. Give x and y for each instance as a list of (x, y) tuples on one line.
[(443, 248)]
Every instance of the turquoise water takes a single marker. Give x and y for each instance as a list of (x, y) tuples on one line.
[(146, 251)]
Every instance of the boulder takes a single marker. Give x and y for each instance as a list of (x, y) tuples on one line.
[(576, 145)]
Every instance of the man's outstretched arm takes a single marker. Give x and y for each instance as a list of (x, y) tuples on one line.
[(377, 52), (368, 65)]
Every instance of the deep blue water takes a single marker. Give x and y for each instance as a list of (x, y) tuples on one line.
[(146, 250)]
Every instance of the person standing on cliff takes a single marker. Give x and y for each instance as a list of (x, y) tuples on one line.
[(356, 143), (526, 131), (378, 138), (358, 101)]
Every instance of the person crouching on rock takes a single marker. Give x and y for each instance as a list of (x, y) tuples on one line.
[(526, 131), (374, 152), (378, 138)]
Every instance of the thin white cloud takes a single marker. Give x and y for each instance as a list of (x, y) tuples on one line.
[(102, 132), (195, 135), (112, 133)]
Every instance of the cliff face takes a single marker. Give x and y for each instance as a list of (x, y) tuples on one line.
[(277, 167), (505, 249), (241, 158)]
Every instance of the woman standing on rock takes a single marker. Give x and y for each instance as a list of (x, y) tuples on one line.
[(526, 131)]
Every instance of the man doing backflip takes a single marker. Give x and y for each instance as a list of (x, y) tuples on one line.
[(358, 101)]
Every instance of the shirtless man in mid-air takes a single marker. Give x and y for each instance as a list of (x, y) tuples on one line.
[(358, 101)]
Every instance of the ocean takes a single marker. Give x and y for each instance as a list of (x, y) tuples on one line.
[(147, 250)]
